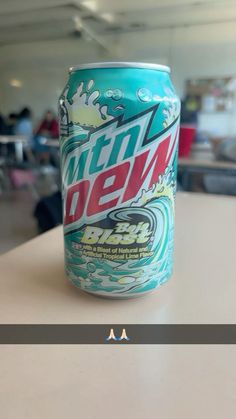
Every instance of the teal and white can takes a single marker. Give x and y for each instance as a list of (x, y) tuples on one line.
[(119, 125)]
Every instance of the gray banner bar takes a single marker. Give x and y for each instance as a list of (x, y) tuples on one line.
[(167, 334)]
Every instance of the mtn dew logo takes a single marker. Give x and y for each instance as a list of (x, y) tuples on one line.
[(119, 181), (110, 170)]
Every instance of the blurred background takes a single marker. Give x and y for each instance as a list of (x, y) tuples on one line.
[(40, 40)]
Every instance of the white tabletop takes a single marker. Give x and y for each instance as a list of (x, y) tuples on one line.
[(136, 381), (6, 139), (52, 142)]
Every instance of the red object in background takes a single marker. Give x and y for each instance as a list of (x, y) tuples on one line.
[(49, 126), (186, 136)]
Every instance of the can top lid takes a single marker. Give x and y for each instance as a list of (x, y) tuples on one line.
[(120, 64)]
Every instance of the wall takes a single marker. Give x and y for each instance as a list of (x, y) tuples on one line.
[(42, 68), (196, 51)]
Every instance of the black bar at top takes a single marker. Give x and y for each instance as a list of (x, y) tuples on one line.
[(118, 334)]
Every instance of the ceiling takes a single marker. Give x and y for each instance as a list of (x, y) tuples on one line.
[(32, 21)]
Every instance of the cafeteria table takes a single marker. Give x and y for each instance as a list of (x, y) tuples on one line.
[(124, 381), (191, 166), (19, 141)]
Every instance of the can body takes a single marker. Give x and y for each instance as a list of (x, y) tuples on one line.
[(119, 133)]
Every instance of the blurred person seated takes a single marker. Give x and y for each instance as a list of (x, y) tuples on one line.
[(48, 129), (10, 126), (24, 124), (49, 126), (24, 127), (11, 123), (7, 127), (2, 132), (2, 125)]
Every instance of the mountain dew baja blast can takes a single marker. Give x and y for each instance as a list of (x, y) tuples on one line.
[(119, 126)]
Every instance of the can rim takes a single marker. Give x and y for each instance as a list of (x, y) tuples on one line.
[(120, 64)]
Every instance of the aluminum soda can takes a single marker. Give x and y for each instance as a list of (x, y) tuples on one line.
[(119, 125)]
